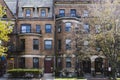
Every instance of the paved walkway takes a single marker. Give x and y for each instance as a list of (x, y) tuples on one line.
[(45, 77), (49, 76), (97, 77)]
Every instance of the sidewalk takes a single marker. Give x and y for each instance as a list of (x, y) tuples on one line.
[(97, 77), (47, 76)]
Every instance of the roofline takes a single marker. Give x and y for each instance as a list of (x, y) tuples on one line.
[(9, 9)]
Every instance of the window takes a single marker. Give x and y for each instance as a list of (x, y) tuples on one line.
[(68, 44), (59, 44), (25, 28), (86, 28), (61, 12), (23, 44), (73, 12), (36, 44), (35, 62), (38, 28), (22, 62), (68, 27), (85, 13), (97, 28), (28, 12), (59, 29), (48, 28), (59, 63), (68, 62), (48, 44), (86, 43), (43, 12), (4, 16)]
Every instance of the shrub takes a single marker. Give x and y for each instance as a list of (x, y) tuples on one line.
[(25, 72)]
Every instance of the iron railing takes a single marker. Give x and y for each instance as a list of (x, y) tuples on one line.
[(68, 15)]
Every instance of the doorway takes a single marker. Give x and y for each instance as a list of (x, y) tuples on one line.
[(86, 65), (98, 65), (48, 65)]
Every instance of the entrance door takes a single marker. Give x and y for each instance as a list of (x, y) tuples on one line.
[(48, 64), (86, 65), (98, 65)]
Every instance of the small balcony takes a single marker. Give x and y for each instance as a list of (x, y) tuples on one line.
[(30, 33), (68, 15), (13, 49)]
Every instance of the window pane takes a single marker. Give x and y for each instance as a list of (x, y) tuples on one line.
[(68, 44), (35, 44), (38, 28), (22, 44), (85, 13), (22, 62), (61, 12), (86, 28), (48, 28), (59, 29), (68, 27), (35, 62), (59, 44), (73, 12), (28, 12), (23, 29), (48, 44), (43, 13), (26, 28), (68, 62)]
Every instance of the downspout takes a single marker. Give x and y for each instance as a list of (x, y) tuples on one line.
[(54, 36), (16, 32)]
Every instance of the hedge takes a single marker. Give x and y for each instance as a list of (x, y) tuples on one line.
[(24, 72)]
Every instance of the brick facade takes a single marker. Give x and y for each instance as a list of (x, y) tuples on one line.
[(52, 17)]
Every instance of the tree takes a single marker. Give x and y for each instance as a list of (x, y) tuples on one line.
[(5, 29), (106, 15)]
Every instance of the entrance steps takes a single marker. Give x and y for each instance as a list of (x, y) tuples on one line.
[(48, 76)]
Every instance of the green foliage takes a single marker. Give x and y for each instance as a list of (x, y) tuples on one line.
[(108, 40), (22, 72), (5, 29)]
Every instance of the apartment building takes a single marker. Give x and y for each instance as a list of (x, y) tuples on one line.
[(42, 35)]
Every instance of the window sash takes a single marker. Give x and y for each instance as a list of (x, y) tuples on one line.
[(68, 62), (68, 43), (35, 62), (73, 12), (43, 12), (59, 44), (28, 12), (86, 13), (48, 44), (86, 28), (48, 28), (26, 28), (36, 44), (22, 62), (22, 44), (68, 27), (38, 28), (61, 12)]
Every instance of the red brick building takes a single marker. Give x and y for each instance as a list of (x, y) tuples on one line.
[(42, 35)]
